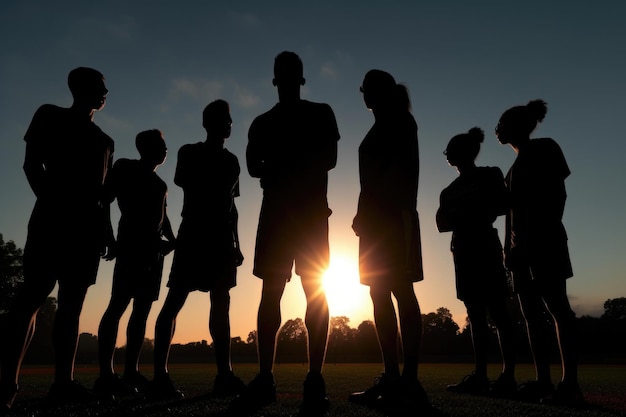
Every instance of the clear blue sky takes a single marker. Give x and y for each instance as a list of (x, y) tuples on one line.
[(463, 62)]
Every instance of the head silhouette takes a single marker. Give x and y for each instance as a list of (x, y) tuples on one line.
[(463, 149), (381, 93), (216, 119), (87, 88), (288, 69), (151, 146), (517, 123)]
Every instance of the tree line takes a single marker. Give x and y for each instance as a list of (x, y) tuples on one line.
[(601, 339)]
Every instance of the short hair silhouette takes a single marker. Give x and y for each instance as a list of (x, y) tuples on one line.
[(288, 66), (214, 110), (144, 141), (82, 78)]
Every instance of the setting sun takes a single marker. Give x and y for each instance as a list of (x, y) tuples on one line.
[(346, 295)]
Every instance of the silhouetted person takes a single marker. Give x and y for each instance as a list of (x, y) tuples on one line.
[(536, 249), (66, 162), (141, 196), (468, 207), (291, 148), (387, 223), (207, 250)]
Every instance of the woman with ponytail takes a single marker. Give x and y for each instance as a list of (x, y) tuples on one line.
[(468, 207), (536, 250), (390, 256)]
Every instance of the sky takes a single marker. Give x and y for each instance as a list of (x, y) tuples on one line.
[(464, 63)]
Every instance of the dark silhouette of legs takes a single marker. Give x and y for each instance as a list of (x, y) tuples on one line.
[(268, 323), (107, 332), (136, 333), (539, 333), (410, 328), (477, 313), (165, 327), (65, 329), (316, 319), (565, 322), (219, 327), (386, 329), (506, 335), (20, 324)]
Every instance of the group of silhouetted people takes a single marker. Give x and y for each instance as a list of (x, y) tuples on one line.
[(291, 148)]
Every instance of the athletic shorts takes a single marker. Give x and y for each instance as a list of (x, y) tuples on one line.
[(138, 275), (204, 258), (286, 236)]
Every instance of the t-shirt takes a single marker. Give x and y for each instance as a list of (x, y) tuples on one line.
[(141, 196), (209, 177), (473, 201), (388, 169), (75, 155), (536, 182), (291, 148)]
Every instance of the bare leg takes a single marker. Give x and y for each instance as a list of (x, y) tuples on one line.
[(386, 329), (107, 333), (135, 333), (165, 327), (219, 327), (65, 330), (539, 334), (268, 323), (565, 322), (506, 335), (477, 313), (410, 329), (316, 320), (19, 330)]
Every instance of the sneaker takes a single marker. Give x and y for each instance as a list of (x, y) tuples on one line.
[(405, 397), (503, 387), (227, 384), (163, 388), (314, 396), (383, 384), (112, 386), (567, 394), (69, 392), (136, 380), (534, 391), (471, 384), (260, 391)]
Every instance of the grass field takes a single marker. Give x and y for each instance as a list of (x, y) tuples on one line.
[(604, 388)]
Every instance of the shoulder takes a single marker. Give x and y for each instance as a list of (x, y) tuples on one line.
[(48, 113), (545, 144), (494, 172), (50, 109), (313, 106), (189, 148), (123, 163)]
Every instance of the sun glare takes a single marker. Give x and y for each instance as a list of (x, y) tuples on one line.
[(346, 296)]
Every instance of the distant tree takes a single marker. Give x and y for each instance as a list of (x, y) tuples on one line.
[(440, 333), (292, 331), (11, 272), (291, 342), (440, 322), (339, 329), (251, 339), (615, 309)]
